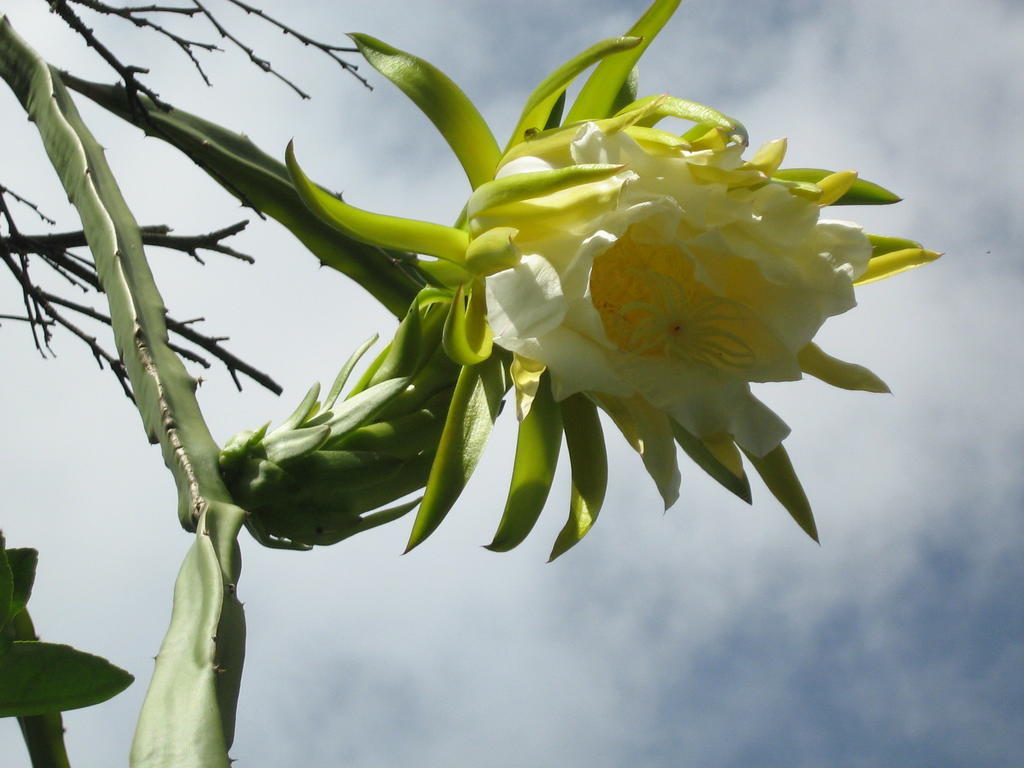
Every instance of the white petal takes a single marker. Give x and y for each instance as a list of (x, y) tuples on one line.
[(577, 364), (526, 300)]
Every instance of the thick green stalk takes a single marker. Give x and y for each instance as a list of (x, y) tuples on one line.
[(43, 734), (188, 716)]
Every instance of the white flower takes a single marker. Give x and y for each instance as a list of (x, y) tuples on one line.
[(664, 290)]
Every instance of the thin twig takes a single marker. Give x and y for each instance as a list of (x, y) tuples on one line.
[(330, 50), (260, 62), (41, 300), (6, 191), (127, 72), (131, 15)]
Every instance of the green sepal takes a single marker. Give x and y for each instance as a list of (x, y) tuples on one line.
[(706, 460), (628, 92), (492, 251), (376, 228), (346, 370), (467, 337), (292, 444), (669, 106), (554, 118), (597, 97), (401, 356), (441, 100), (883, 244), (303, 412), (588, 459), (541, 103), (537, 447), (359, 409), (474, 407), (815, 362), (523, 186), (861, 193), (40, 678), (778, 474), (404, 436)]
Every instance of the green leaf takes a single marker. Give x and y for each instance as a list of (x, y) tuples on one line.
[(22, 561), (706, 460), (39, 678), (6, 587), (598, 95), (257, 179), (475, 405), (376, 228), (589, 461), (545, 97), (861, 193), (540, 438), (441, 100), (776, 470)]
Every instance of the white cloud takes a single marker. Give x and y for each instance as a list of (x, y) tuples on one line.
[(713, 635)]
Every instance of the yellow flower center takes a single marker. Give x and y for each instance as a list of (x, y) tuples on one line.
[(651, 303)]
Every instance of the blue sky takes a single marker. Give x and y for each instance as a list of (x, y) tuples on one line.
[(713, 635)]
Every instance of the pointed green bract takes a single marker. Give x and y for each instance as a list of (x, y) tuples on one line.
[(597, 98), (467, 338), (441, 100), (523, 186), (894, 262), (588, 458), (862, 192), (815, 362), (376, 228), (346, 370), (706, 460), (540, 103), (883, 244), (473, 409), (540, 438), (776, 470), (670, 106)]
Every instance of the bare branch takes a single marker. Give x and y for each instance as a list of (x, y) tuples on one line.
[(330, 50), (155, 235)]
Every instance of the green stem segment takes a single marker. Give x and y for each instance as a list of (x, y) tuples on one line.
[(188, 716)]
